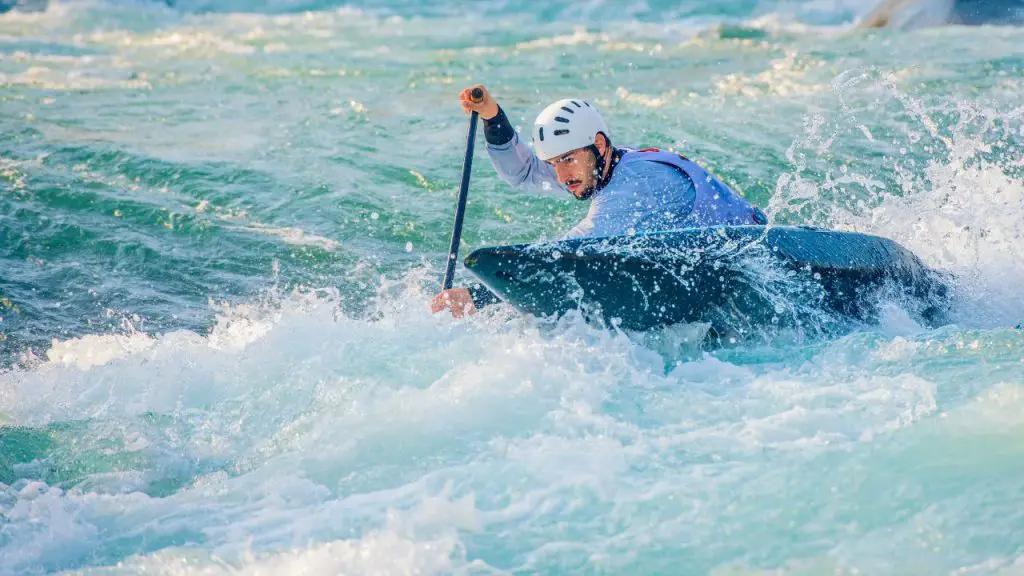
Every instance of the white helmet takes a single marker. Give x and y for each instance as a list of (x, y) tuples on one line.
[(565, 126)]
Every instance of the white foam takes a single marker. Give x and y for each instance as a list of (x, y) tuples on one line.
[(962, 213), (95, 350), (295, 236), (456, 427), (787, 76), (379, 552), (42, 526)]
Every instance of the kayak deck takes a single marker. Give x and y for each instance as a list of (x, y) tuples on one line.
[(728, 276)]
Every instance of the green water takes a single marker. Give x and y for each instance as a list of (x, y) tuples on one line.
[(220, 229)]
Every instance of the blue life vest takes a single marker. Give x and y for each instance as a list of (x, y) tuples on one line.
[(715, 203)]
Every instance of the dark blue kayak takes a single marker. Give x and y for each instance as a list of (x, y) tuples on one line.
[(735, 278)]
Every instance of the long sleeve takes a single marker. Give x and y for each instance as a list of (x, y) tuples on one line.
[(515, 163)]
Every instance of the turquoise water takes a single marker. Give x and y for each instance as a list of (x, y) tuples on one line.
[(222, 222)]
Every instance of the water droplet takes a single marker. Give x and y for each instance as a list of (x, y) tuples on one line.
[(408, 246), (374, 215)]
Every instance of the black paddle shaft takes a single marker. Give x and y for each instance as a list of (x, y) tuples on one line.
[(460, 208)]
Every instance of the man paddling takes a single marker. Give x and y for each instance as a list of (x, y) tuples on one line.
[(630, 191)]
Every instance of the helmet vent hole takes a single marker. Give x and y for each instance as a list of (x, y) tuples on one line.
[(540, 132), (561, 119), (560, 132), (577, 104), (569, 110)]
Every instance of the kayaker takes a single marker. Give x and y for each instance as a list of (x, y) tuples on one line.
[(630, 191)]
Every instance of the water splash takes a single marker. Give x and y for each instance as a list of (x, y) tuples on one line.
[(951, 192)]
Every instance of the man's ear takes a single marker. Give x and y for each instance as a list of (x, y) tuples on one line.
[(601, 142)]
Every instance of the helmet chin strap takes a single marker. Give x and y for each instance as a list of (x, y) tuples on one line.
[(598, 165)]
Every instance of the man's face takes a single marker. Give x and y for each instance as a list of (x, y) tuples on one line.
[(575, 171)]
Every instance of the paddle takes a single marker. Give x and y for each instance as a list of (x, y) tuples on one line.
[(476, 95)]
